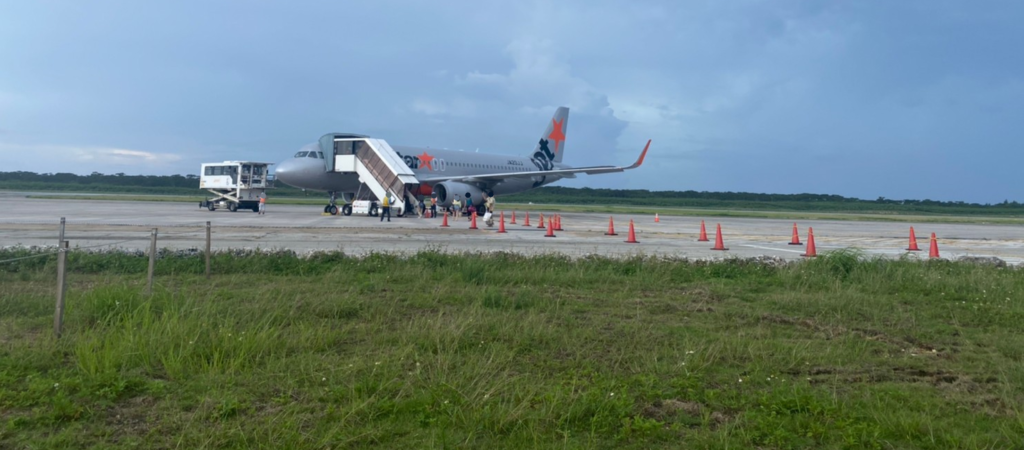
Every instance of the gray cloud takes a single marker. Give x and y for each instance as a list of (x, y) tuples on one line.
[(901, 99)]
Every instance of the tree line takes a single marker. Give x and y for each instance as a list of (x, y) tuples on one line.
[(189, 185)]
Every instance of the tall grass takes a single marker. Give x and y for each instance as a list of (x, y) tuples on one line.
[(438, 350)]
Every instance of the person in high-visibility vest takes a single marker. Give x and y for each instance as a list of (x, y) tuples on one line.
[(385, 208), (263, 203)]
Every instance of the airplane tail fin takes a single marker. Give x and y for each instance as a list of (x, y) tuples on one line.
[(551, 145)]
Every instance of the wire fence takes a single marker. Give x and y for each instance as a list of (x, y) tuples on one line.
[(63, 248), (39, 255), (105, 244), (88, 247)]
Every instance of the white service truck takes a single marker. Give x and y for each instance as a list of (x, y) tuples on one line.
[(235, 184), (368, 207)]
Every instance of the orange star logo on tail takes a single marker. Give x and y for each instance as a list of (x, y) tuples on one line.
[(556, 133)]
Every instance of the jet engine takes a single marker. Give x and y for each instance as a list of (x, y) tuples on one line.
[(446, 191)]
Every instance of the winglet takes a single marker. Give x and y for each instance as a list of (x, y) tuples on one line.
[(643, 155)]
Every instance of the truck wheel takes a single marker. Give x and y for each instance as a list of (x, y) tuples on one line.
[(210, 206), (233, 207), (346, 210), (373, 211)]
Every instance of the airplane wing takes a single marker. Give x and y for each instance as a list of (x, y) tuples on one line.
[(498, 177)]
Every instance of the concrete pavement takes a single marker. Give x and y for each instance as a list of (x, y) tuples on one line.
[(25, 221)]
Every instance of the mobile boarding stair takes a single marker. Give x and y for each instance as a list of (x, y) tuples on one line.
[(378, 165)]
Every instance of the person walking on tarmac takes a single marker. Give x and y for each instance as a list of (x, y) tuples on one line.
[(433, 206), (489, 201), (385, 208), (263, 203), (456, 208), (489, 209)]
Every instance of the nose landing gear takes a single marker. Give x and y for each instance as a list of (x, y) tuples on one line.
[(332, 207)]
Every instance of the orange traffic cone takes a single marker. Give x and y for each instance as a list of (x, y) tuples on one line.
[(513, 222), (541, 224), (812, 250), (719, 245), (558, 222), (501, 225), (551, 228), (472, 221), (796, 237), (703, 233), (656, 220), (526, 222), (632, 234), (933, 252), (913, 242), (444, 221), (611, 228)]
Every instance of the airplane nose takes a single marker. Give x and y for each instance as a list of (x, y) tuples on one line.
[(286, 171)]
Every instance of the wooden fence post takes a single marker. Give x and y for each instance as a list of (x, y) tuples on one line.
[(58, 314), (152, 262), (207, 250), (62, 257)]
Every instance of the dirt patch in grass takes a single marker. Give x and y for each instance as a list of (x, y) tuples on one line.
[(826, 331), (130, 417), (670, 410), (675, 301), (936, 377), (907, 344)]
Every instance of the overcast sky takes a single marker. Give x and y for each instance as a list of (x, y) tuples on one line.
[(901, 99)]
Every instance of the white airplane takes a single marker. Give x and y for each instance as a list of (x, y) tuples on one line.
[(445, 173)]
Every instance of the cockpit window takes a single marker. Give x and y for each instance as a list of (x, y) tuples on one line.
[(301, 154), (312, 154), (320, 155)]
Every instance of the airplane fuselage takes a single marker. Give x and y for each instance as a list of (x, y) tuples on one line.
[(310, 172)]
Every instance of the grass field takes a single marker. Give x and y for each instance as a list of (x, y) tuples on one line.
[(502, 351), (615, 209)]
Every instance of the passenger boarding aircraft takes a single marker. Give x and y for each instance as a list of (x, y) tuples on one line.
[(445, 173)]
